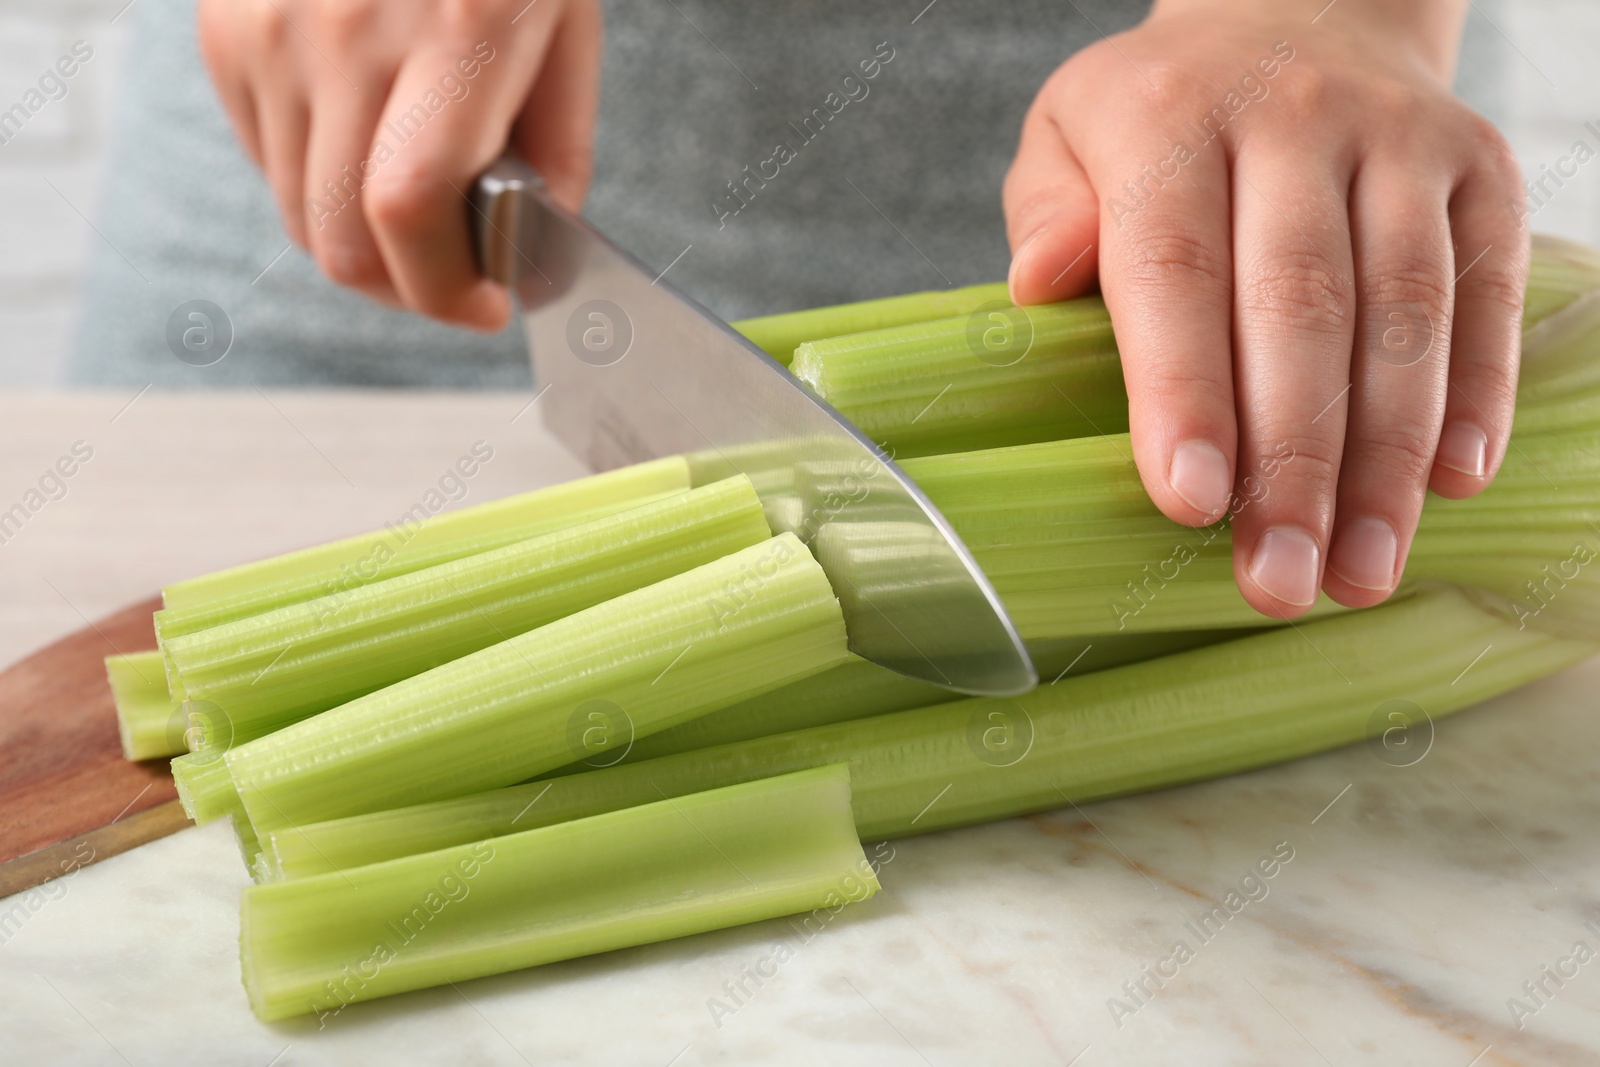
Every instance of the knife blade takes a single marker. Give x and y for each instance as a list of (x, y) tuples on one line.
[(630, 369)]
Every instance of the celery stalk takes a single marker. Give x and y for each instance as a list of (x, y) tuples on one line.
[(723, 632), (983, 378), (1558, 272), (858, 689), (661, 870), (1257, 700), (779, 335), (262, 673), (205, 788), (1074, 546), (144, 707), (1008, 376), (415, 542)]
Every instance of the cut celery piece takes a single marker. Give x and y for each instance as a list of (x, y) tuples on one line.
[(963, 383), (678, 866), (145, 711), (723, 632), (262, 673), (1250, 702), (411, 544), (205, 788), (779, 335)]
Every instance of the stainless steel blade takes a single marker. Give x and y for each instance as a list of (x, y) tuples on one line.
[(629, 369)]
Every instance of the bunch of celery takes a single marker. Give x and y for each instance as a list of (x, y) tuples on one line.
[(506, 735)]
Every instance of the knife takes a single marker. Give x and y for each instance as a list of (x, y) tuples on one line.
[(629, 369)]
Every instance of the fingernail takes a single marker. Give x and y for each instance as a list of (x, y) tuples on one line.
[(1465, 448), (1285, 565), (1016, 257), (1199, 475), (1365, 552)]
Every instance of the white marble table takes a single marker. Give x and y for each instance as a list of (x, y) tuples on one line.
[(1417, 902)]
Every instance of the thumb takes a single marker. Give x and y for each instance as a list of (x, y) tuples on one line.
[(1052, 218)]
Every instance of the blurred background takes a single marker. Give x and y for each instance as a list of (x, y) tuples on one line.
[(1528, 65)]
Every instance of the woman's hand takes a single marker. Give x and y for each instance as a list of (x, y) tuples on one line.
[(1314, 259), (371, 119)]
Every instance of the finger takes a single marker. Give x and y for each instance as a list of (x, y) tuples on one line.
[(555, 131), (1052, 217), (1294, 318), (433, 145), (226, 68), (1398, 373), (337, 167), (1492, 261), (284, 120), (1166, 270)]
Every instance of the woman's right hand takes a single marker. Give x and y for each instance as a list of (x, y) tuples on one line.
[(371, 119)]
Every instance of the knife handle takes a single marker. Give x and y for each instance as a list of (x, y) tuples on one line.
[(502, 222)]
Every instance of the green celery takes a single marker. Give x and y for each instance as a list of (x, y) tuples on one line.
[(968, 382), (1250, 702), (205, 788), (409, 545), (1074, 546), (1558, 272), (677, 866), (779, 335), (858, 689), (144, 707), (723, 632), (262, 673), (1016, 376)]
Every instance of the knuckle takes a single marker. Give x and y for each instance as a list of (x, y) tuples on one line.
[(1169, 255), (1312, 460), (1392, 99), (268, 27), (1169, 85), (399, 199), (349, 265), (1500, 286), (1392, 456), (1301, 285), (1490, 150), (1309, 91), (1410, 278), (1492, 386), (469, 14), (342, 22)]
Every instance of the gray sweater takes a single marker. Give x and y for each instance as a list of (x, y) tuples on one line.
[(743, 145)]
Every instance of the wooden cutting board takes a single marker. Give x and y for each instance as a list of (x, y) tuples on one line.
[(67, 797)]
